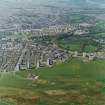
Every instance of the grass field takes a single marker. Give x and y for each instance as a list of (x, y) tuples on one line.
[(78, 44), (73, 83)]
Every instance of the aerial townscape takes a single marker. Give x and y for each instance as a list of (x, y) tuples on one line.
[(52, 52)]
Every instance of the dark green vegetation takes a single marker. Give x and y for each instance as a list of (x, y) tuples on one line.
[(98, 31), (73, 83), (77, 43)]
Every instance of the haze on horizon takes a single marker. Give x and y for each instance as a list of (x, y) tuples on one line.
[(11, 7), (32, 3)]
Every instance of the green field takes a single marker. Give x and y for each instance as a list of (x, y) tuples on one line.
[(73, 83), (99, 28), (77, 43), (3, 103)]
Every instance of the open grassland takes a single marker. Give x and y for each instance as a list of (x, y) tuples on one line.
[(73, 83)]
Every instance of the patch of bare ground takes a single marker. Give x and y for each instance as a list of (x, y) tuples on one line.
[(20, 100), (72, 96)]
